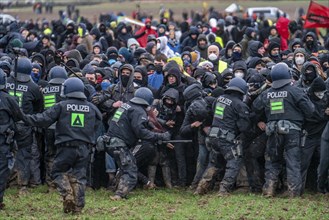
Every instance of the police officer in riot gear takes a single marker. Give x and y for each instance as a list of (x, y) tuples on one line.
[(9, 113), (30, 102), (51, 96), (77, 121), (128, 125), (286, 108), (231, 119)]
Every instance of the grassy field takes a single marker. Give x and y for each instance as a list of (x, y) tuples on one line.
[(152, 8), (166, 204)]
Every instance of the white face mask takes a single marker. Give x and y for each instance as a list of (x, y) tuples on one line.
[(320, 95), (299, 60), (212, 57), (158, 46), (239, 74)]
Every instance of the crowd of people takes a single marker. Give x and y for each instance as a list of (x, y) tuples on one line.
[(210, 102)]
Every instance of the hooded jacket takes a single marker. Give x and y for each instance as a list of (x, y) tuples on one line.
[(142, 34), (132, 41), (303, 75), (228, 46), (203, 51), (316, 124), (240, 65), (188, 41), (253, 47), (295, 70), (41, 60), (311, 48), (75, 54), (143, 71), (276, 59), (83, 50), (164, 49), (294, 42), (244, 42), (123, 37)]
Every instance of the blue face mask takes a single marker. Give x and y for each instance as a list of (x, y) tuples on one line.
[(35, 77), (105, 85)]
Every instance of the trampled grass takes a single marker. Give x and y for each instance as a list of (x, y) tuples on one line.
[(152, 7), (166, 204)]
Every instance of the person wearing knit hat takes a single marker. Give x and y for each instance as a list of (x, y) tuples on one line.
[(249, 34), (274, 52), (16, 43), (195, 58), (88, 69)]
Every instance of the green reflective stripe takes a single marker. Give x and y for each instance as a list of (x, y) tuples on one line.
[(49, 97), (50, 101), (218, 113), (219, 110), (49, 105), (19, 95), (273, 104), (117, 115), (277, 108)]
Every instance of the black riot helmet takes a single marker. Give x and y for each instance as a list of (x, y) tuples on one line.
[(143, 96), (238, 84), (57, 75), (192, 92), (24, 68), (73, 88)]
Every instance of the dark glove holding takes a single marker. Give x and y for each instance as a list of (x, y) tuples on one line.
[(97, 99), (164, 136)]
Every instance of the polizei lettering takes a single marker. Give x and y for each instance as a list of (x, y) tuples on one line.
[(275, 95), (224, 101), (77, 108), (52, 89), (22, 88)]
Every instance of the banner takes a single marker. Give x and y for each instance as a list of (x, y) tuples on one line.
[(317, 16)]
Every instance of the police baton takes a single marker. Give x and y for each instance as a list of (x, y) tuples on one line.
[(15, 73), (69, 68), (75, 74)]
